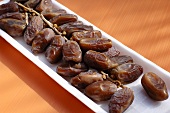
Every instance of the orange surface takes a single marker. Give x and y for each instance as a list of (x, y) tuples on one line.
[(141, 25)]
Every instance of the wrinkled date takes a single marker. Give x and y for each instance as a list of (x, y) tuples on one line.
[(42, 40), (63, 18), (72, 52), (70, 69), (84, 79), (98, 60), (126, 73), (54, 52), (121, 100), (154, 86), (101, 90), (77, 36), (96, 44)]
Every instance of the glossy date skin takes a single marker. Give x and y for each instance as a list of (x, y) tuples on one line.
[(50, 13), (96, 44), (34, 27), (54, 52), (121, 100), (72, 52), (154, 86), (84, 79), (13, 15), (101, 90), (63, 19), (67, 69), (77, 36), (42, 40), (126, 73), (13, 27), (8, 8), (98, 60), (112, 52)]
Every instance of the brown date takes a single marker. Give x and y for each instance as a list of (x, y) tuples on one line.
[(13, 27), (50, 13), (121, 100), (101, 90), (63, 27), (34, 27), (122, 59), (54, 51), (77, 36), (76, 28), (13, 15), (72, 52), (43, 5), (8, 7), (98, 60), (112, 52), (66, 69), (126, 73), (154, 86), (42, 40), (84, 79), (63, 18), (96, 44), (32, 3)]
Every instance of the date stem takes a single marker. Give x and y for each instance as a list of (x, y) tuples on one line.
[(117, 82), (52, 26)]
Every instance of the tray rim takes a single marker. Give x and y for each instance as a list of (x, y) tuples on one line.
[(72, 90)]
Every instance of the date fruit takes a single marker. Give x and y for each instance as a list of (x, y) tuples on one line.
[(101, 90), (66, 69), (84, 79), (154, 86), (8, 7), (63, 19), (13, 27), (34, 27), (121, 100), (126, 73), (77, 36), (98, 60), (96, 44), (72, 52), (112, 52), (54, 52), (42, 40)]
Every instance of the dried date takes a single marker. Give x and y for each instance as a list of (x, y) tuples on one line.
[(42, 40), (72, 52), (154, 86), (66, 69), (96, 44), (121, 100), (98, 60), (34, 27), (54, 52), (84, 79), (101, 90), (127, 73), (63, 18), (13, 27), (8, 7), (77, 36)]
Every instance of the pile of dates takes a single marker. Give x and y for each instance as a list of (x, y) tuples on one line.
[(93, 64)]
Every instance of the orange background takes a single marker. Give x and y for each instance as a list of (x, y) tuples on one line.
[(144, 26)]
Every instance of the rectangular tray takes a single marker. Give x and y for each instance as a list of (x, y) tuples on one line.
[(141, 104)]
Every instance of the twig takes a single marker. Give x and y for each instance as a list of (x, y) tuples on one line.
[(52, 26), (28, 9), (117, 82), (26, 18)]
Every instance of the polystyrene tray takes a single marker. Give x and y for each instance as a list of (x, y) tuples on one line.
[(141, 104)]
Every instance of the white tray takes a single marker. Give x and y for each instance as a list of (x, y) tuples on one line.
[(141, 104)]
